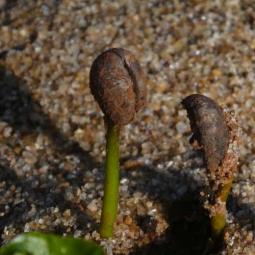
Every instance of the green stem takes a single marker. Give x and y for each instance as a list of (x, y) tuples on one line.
[(218, 221), (111, 183)]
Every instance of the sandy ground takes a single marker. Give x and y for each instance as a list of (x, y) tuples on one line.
[(52, 133)]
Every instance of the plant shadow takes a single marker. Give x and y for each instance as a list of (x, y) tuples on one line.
[(41, 197), (189, 224), (188, 232), (24, 114)]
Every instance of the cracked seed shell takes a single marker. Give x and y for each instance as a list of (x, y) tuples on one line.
[(209, 128), (117, 82)]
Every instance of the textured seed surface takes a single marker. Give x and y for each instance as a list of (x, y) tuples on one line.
[(118, 84), (209, 128)]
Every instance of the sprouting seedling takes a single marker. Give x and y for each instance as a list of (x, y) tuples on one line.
[(215, 132), (118, 85)]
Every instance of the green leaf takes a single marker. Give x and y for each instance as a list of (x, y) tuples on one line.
[(49, 244)]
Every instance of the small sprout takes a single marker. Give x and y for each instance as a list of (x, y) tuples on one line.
[(118, 84), (215, 132)]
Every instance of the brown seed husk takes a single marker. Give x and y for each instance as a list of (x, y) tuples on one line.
[(210, 131), (118, 85), (216, 132)]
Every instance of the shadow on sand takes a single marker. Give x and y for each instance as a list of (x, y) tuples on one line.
[(23, 113), (26, 116), (189, 224)]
